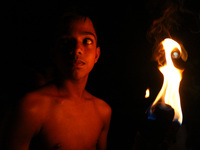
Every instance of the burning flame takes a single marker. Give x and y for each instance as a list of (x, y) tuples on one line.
[(147, 93), (169, 93)]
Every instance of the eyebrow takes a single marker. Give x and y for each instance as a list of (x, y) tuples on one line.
[(89, 33)]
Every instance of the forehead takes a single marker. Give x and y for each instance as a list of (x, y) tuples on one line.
[(78, 25)]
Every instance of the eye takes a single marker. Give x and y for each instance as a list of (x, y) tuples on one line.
[(63, 42), (66, 44), (87, 41)]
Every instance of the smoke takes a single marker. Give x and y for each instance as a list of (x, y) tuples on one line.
[(175, 20), (174, 17)]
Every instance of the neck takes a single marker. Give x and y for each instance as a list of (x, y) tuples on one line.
[(72, 88)]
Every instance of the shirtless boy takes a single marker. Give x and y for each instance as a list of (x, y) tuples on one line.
[(64, 115)]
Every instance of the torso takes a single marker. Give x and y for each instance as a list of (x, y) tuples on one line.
[(69, 125)]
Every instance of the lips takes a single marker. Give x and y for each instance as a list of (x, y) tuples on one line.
[(78, 63)]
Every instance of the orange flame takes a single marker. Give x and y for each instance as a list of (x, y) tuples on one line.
[(147, 93), (169, 92)]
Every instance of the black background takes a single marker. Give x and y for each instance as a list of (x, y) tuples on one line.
[(125, 68)]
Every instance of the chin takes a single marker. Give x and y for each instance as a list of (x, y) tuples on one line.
[(79, 76)]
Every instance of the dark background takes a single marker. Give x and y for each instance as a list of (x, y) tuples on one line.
[(125, 68)]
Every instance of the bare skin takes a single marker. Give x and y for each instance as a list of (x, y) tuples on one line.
[(65, 117)]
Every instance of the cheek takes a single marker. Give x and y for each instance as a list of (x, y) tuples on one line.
[(91, 56), (90, 61)]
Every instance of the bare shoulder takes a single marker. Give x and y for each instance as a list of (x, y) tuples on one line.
[(33, 99), (102, 107), (35, 104), (26, 120)]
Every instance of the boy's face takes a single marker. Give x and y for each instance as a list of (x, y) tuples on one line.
[(77, 50)]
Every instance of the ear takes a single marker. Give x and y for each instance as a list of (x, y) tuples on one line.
[(97, 54)]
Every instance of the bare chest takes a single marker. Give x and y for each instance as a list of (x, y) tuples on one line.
[(69, 127)]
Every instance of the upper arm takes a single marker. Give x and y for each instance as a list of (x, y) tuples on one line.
[(106, 112), (24, 124)]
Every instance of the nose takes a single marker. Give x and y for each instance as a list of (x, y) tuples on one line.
[(78, 49)]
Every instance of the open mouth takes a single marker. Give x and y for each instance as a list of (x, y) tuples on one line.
[(78, 63)]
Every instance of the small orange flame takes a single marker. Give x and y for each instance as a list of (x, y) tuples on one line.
[(147, 93), (169, 92)]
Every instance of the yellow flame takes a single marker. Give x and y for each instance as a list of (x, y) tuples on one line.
[(147, 93), (169, 92)]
